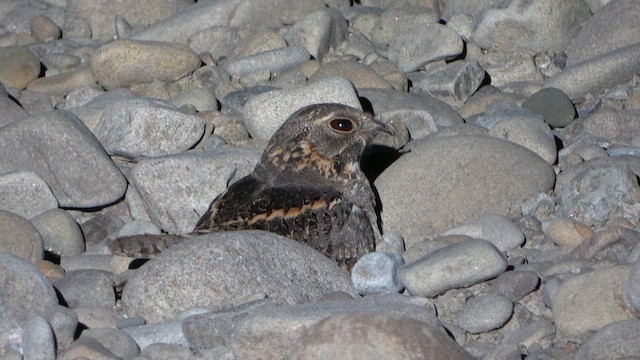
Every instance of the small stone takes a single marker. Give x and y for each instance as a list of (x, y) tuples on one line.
[(618, 340), (531, 333), (167, 332), (554, 105), (167, 351), (633, 285), (19, 237), (498, 230), (87, 288), (63, 83), (317, 31), (424, 43), (509, 66), (376, 273), (273, 60), (565, 232), (19, 66), (515, 285), (44, 29), (474, 260), (398, 19), (452, 83), (25, 194), (485, 313), (60, 232), (64, 323), (360, 75), (117, 341), (37, 339)]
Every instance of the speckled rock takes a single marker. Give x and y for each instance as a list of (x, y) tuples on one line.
[(617, 340), (485, 313), (26, 194), (225, 274)]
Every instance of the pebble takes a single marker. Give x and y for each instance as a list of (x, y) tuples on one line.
[(496, 229), (376, 273), (518, 68), (474, 260), (60, 232), (485, 313)]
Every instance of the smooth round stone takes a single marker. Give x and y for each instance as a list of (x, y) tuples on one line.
[(446, 181), (19, 66), (633, 285), (24, 291), (226, 272), (485, 313), (362, 76), (87, 288), (530, 334), (26, 194), (117, 341), (554, 105), (376, 273), (618, 340), (64, 323), (397, 19), (515, 284), (565, 232), (44, 29), (498, 230), (122, 63), (63, 83), (386, 337), (474, 260), (590, 301), (273, 60), (38, 340), (61, 233), (19, 237)]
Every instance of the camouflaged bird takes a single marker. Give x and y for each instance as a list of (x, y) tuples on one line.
[(307, 186)]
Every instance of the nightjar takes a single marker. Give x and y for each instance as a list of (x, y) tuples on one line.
[(307, 186)]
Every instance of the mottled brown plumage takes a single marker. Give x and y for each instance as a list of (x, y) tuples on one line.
[(308, 185)]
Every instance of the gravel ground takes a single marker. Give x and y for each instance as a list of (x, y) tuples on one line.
[(509, 197)]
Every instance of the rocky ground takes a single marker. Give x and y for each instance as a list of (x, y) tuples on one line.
[(509, 195)]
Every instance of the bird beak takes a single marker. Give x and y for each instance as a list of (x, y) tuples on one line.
[(375, 127)]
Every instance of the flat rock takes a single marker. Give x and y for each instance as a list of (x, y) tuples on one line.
[(123, 63), (424, 43), (264, 114), (26, 194), (537, 26), (465, 177), (278, 331), (87, 288), (498, 230), (176, 190), (576, 312), (397, 19), (485, 313), (65, 154), (385, 337), (222, 269), (273, 60), (360, 75), (19, 66), (452, 83)]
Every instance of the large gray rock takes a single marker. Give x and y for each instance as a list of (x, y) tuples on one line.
[(61, 150), (177, 190), (222, 269), (26, 194), (446, 181)]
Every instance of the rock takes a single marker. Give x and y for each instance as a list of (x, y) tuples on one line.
[(87, 288), (87, 348), (263, 114), (19, 66), (64, 323), (474, 260), (60, 232), (63, 83), (271, 14), (19, 237), (515, 285), (509, 66), (278, 331), (273, 60), (116, 340), (537, 26), (123, 63), (385, 337), (554, 106), (178, 189), (396, 20), (147, 128), (225, 274), (167, 351), (568, 233), (26, 194), (485, 313), (530, 334), (38, 340), (576, 312), (617, 126), (598, 73), (100, 14), (219, 41), (168, 332), (453, 196), (617, 340), (611, 27), (633, 286), (496, 229), (421, 44), (452, 83), (318, 31), (44, 29), (360, 75), (376, 273)]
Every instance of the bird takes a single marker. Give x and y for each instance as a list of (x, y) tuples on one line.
[(307, 186)]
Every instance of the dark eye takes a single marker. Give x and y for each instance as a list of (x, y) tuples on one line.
[(342, 125)]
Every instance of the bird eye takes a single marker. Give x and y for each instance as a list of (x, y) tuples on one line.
[(341, 125)]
